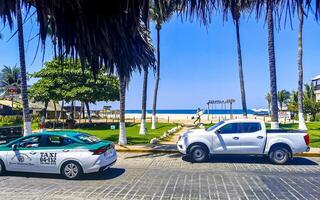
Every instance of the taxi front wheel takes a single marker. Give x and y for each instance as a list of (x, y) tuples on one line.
[(71, 170), (2, 168)]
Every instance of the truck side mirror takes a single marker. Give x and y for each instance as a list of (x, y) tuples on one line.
[(14, 147), (218, 131)]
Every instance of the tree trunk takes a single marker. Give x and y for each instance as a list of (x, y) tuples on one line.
[(272, 67), (55, 110), (143, 130), (242, 89), (54, 42), (88, 112), (269, 107), (72, 110), (82, 110), (302, 123), (45, 109), (122, 125), (24, 91), (61, 111), (154, 106)]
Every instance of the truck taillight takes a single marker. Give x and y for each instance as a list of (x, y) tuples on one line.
[(98, 151), (307, 139)]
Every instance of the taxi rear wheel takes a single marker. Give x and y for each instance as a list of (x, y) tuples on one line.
[(2, 168), (71, 170)]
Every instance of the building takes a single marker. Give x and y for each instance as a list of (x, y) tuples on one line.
[(35, 108), (316, 84)]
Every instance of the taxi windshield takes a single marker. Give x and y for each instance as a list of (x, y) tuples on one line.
[(88, 139)]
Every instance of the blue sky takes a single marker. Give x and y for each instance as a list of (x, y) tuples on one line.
[(200, 63)]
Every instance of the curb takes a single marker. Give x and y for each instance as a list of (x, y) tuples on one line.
[(307, 154), (155, 151)]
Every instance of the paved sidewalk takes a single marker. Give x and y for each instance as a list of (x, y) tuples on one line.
[(171, 148), (148, 148), (143, 176), (164, 146), (174, 138)]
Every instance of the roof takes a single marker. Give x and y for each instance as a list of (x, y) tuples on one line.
[(316, 78), (9, 103), (32, 105), (243, 120)]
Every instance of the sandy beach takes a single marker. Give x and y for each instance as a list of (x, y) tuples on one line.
[(189, 118)]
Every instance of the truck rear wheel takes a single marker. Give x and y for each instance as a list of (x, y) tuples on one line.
[(279, 155), (198, 153)]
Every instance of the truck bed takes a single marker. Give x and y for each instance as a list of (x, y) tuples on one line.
[(285, 131)]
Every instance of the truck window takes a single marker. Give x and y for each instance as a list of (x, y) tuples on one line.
[(230, 128), (250, 127)]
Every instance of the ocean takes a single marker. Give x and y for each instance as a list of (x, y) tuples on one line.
[(193, 111)]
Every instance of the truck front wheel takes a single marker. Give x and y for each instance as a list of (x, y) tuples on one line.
[(279, 155), (198, 153)]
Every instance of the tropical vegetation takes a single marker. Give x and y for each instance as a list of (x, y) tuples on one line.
[(68, 81), (132, 131), (92, 38), (311, 107)]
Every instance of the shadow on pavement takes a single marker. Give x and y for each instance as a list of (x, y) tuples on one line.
[(251, 160), (110, 173), (154, 155)]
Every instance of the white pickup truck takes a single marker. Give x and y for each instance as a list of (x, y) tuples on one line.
[(243, 136)]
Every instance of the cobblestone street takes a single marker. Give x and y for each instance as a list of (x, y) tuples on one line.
[(163, 176)]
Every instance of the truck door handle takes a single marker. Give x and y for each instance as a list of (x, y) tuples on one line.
[(236, 138), (33, 153), (65, 150), (260, 137)]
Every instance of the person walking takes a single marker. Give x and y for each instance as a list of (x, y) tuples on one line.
[(42, 121)]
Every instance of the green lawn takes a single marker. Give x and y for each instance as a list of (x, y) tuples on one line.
[(133, 135), (34, 125), (313, 130)]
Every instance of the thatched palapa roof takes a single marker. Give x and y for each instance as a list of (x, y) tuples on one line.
[(113, 33), (104, 33)]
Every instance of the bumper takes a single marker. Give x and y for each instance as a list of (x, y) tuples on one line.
[(182, 148), (103, 163), (107, 166), (308, 149)]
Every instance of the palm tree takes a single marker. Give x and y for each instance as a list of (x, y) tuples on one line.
[(272, 66), (268, 98), (144, 101), (309, 92), (283, 98), (160, 13), (24, 91), (294, 97), (236, 7), (122, 123), (10, 76), (302, 123)]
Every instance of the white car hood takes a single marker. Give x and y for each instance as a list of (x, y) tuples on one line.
[(193, 132)]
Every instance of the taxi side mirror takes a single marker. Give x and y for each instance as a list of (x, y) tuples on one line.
[(14, 147)]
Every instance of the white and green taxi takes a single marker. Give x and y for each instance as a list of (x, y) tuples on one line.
[(69, 153)]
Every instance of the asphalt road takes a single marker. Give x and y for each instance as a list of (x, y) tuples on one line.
[(161, 176)]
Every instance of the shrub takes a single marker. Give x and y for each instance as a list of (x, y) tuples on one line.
[(11, 120)]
